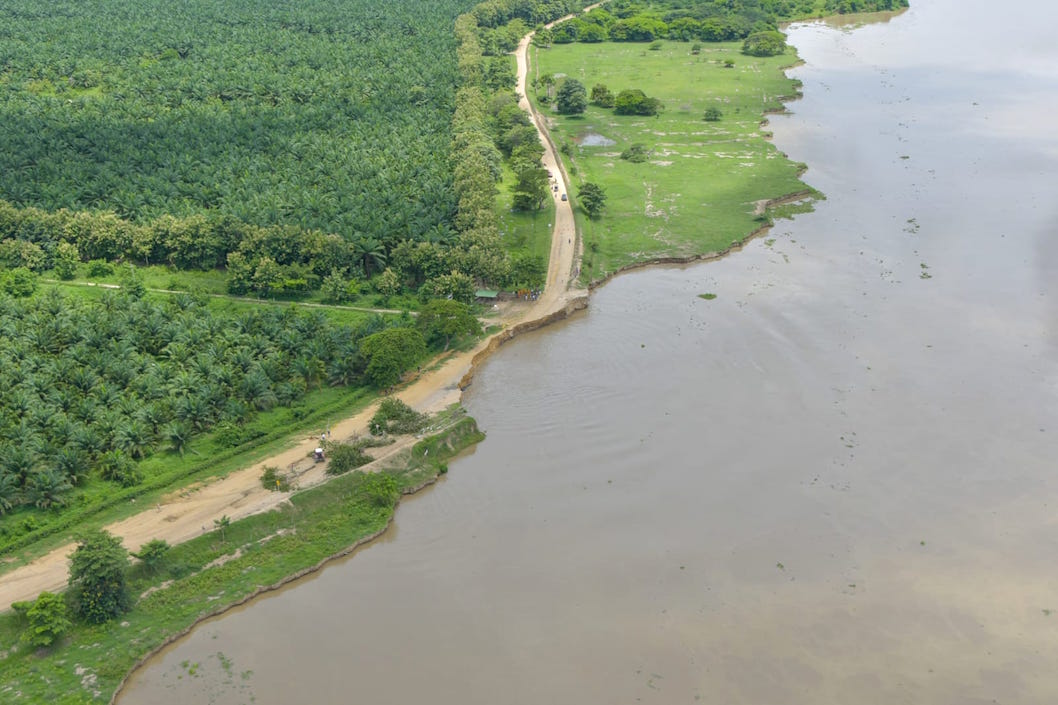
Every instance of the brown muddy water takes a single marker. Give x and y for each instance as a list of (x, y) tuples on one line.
[(835, 483)]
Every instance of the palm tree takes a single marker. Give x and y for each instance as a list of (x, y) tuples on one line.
[(370, 253), (9, 491), (72, 463), (134, 437), (46, 489), (178, 435)]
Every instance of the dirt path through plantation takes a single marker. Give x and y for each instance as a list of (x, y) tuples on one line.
[(191, 512)]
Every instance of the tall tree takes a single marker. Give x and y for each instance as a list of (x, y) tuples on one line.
[(592, 199), (572, 97), (445, 319), (98, 577)]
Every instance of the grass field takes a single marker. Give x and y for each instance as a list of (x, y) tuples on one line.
[(524, 233), (699, 188)]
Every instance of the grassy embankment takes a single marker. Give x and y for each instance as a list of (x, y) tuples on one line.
[(253, 553), (697, 192), (524, 233)]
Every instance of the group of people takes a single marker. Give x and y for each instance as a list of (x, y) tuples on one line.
[(528, 294), (318, 453)]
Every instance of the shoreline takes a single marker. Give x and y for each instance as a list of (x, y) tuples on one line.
[(236, 494), (736, 246), (444, 384), (265, 589)]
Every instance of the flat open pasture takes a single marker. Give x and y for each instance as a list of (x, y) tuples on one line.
[(698, 190)]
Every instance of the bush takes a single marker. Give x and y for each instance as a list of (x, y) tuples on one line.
[(394, 416), (769, 43), (19, 282), (344, 457), (98, 577), (66, 260), (380, 489), (100, 268), (636, 153), (713, 114), (232, 435), (152, 553), (47, 619), (273, 479)]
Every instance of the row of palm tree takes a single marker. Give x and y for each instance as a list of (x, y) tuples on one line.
[(90, 387), (275, 115)]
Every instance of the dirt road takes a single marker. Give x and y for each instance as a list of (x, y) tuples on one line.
[(191, 512)]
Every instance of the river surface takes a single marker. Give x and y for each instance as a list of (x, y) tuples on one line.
[(835, 483)]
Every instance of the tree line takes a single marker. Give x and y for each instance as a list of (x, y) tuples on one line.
[(192, 135), (90, 387), (489, 128), (697, 20)]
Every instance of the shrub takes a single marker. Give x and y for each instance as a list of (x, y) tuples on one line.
[(344, 457), (636, 153), (152, 553), (100, 268), (713, 114), (394, 416), (380, 489), (66, 261), (19, 282), (769, 43), (47, 619), (98, 577), (273, 479)]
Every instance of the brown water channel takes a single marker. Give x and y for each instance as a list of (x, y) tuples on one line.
[(835, 483)]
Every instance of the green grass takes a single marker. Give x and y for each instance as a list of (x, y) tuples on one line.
[(524, 233), (215, 283), (698, 190), (316, 524)]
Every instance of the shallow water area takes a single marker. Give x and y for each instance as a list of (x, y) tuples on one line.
[(594, 139), (833, 483)]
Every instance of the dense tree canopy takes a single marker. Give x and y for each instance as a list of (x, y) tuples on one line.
[(633, 101), (699, 20), (90, 387), (572, 98), (764, 44), (321, 114)]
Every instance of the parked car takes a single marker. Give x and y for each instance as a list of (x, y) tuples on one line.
[(564, 197)]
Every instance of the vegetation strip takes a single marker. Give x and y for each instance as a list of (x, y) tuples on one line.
[(265, 552)]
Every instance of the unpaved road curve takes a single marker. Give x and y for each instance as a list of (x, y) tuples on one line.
[(190, 513)]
